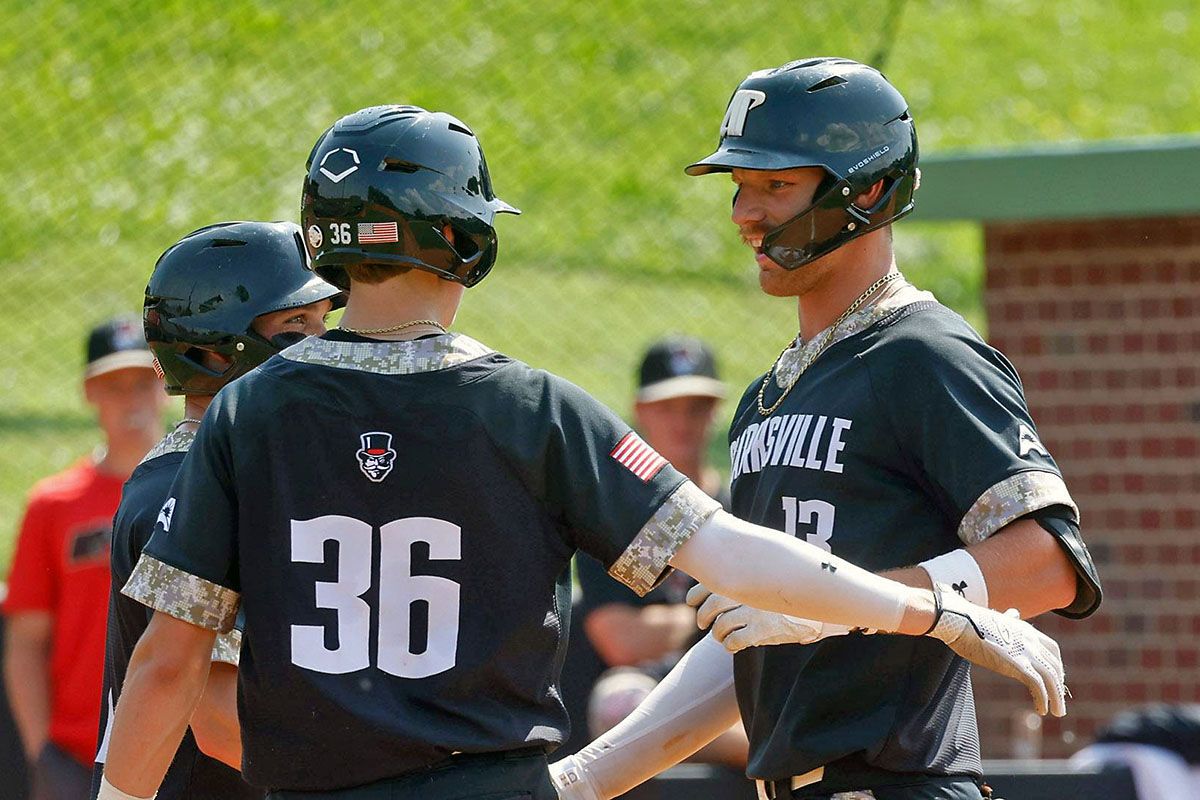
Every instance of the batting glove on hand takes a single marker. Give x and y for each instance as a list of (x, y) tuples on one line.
[(737, 626), (572, 781), (1003, 644)]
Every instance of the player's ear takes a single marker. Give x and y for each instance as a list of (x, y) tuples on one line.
[(871, 196), (448, 233)]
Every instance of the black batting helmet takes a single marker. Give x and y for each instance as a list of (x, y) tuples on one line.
[(832, 113), (206, 290), (383, 183)]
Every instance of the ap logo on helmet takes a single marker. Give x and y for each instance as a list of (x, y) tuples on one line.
[(743, 101)]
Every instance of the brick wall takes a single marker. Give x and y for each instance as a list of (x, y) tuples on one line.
[(1102, 319)]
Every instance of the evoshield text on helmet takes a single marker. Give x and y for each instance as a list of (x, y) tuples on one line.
[(206, 290), (832, 113), (384, 182)]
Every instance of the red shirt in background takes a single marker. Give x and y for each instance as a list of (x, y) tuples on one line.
[(61, 566)]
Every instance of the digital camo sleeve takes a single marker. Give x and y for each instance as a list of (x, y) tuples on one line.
[(961, 419), (620, 501), (188, 569)]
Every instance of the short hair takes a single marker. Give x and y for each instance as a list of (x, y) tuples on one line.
[(374, 273)]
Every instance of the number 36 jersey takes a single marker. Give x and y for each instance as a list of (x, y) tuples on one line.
[(395, 520), (907, 438)]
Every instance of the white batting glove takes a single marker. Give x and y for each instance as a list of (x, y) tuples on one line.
[(1004, 644), (572, 781), (744, 627), (737, 626)]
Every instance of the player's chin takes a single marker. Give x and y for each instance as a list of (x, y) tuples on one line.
[(776, 281)]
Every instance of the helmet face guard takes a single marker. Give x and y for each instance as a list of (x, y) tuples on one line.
[(385, 182), (832, 220), (832, 113)]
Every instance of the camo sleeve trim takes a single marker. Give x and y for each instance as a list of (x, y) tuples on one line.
[(182, 595), (177, 441), (227, 647), (1011, 499), (645, 561)]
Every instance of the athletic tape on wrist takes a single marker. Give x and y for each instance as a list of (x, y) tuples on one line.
[(110, 792), (959, 570)]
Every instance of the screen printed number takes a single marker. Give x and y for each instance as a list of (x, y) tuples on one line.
[(817, 513), (399, 590)]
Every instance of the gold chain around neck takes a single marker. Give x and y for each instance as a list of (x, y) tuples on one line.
[(827, 339), (393, 328)]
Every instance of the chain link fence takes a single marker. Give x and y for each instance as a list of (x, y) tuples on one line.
[(129, 124)]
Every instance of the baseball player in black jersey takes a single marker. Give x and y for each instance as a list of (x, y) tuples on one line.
[(888, 433), (393, 508), (219, 302)]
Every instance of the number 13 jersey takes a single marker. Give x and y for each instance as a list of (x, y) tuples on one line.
[(395, 520), (907, 438)]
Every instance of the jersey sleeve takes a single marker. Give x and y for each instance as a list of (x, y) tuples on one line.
[(597, 588), (960, 418), (189, 567), (614, 497), (33, 578)]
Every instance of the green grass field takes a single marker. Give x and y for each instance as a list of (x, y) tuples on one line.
[(128, 124)]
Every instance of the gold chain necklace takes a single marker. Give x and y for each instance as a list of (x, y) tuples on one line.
[(808, 360), (394, 328)]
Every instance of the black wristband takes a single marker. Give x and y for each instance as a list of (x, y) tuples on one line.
[(937, 608)]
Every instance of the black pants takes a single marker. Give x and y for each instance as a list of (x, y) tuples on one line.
[(58, 776), (494, 776), (928, 788)]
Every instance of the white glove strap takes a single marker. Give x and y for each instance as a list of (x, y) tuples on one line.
[(959, 570), (110, 792)]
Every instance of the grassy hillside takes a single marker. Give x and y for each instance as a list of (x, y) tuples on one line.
[(128, 124)]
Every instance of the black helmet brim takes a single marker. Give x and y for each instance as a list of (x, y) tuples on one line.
[(726, 159)]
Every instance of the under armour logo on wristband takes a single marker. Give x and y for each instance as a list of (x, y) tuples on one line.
[(828, 566), (960, 587)]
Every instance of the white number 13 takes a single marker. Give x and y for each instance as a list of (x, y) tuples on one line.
[(399, 589), (816, 512)]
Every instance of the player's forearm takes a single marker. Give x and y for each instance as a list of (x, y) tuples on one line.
[(1023, 566), (164, 682), (730, 748), (27, 680), (770, 570), (689, 708), (215, 720)]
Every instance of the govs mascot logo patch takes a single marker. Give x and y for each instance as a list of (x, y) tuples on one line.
[(376, 456)]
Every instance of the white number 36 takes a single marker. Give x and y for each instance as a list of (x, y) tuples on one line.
[(339, 233), (399, 589)]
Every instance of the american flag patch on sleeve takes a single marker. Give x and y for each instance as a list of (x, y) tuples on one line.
[(376, 232), (638, 457)]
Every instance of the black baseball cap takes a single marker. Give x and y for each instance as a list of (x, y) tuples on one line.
[(678, 366), (117, 344)]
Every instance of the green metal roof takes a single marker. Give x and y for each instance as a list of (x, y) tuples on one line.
[(1088, 180)]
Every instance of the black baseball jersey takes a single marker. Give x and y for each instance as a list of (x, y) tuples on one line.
[(395, 521), (907, 438), (192, 775)]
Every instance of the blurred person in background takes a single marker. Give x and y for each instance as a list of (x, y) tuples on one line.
[(220, 301), (1161, 746), (642, 638), (58, 585)]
